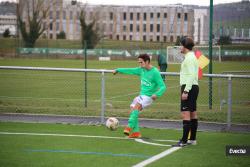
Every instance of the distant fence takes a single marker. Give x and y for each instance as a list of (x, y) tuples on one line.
[(105, 89), (116, 51)]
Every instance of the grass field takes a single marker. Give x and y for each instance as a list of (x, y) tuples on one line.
[(38, 147), (63, 92)]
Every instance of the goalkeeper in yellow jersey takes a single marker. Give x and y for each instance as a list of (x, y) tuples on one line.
[(152, 87)]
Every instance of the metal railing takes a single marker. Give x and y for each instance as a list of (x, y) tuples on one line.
[(103, 71)]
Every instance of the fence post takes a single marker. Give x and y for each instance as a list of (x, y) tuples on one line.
[(229, 103), (103, 97)]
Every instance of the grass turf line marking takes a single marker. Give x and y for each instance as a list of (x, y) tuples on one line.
[(157, 157), (150, 143), (62, 135), (71, 135), (88, 136)]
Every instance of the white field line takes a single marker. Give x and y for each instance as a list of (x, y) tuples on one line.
[(63, 135), (141, 164), (85, 136), (157, 157), (150, 143)]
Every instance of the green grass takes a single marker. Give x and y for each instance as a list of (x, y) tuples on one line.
[(63, 92), (19, 150)]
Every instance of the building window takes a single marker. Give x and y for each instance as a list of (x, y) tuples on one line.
[(151, 38), (171, 38), (165, 38), (130, 37), (124, 28), (144, 16), (110, 36), (158, 27), (185, 17), (151, 27), (144, 38), (158, 38), (117, 37), (57, 26), (131, 27), (118, 28), (158, 15), (164, 28), (179, 16), (138, 28), (131, 16), (111, 15), (51, 26), (124, 16), (151, 15), (124, 37), (165, 15), (144, 27), (138, 16)]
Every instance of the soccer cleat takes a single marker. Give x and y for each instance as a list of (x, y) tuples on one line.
[(127, 130), (191, 142), (180, 144), (135, 135)]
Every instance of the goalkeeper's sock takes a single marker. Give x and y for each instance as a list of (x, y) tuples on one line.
[(133, 119), (186, 128), (194, 126)]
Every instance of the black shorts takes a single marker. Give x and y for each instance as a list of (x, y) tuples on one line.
[(190, 104)]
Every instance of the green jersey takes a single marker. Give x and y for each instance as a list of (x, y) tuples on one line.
[(151, 81), (189, 71)]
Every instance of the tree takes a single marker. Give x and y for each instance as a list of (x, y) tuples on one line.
[(90, 32), (36, 12), (225, 40), (6, 33), (61, 35)]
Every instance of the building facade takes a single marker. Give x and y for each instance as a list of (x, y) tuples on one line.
[(137, 23), (8, 21)]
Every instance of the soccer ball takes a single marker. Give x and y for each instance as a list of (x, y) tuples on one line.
[(112, 123)]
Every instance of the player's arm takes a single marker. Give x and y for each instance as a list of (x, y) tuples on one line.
[(130, 71), (162, 86)]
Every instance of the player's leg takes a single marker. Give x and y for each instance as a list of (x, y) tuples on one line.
[(133, 121), (133, 116), (185, 114), (138, 104), (193, 129), (193, 115)]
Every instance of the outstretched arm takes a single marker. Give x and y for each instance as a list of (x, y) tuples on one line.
[(130, 71)]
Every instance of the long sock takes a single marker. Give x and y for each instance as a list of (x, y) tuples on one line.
[(194, 126), (186, 128), (133, 120)]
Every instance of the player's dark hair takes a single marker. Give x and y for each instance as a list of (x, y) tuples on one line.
[(144, 57), (187, 42)]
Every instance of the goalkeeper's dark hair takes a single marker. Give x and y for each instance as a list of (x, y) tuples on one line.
[(144, 57), (187, 42)]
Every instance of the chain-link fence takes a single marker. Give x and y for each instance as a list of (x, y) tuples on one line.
[(66, 92)]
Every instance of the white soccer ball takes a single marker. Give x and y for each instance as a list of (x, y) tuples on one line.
[(112, 123)]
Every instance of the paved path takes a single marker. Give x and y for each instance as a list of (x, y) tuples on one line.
[(163, 124)]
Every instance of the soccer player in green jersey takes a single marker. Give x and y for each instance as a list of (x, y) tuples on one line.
[(189, 92), (152, 87)]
